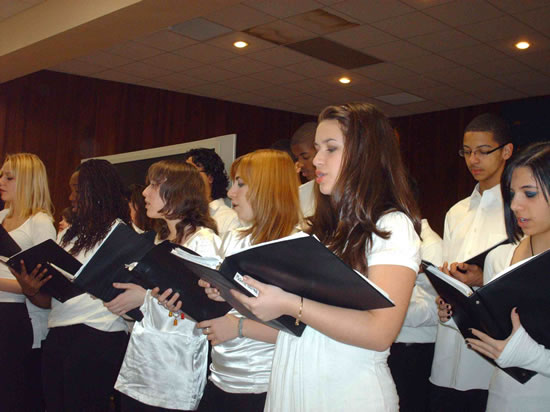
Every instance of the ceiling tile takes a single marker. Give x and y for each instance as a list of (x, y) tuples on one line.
[(535, 89), (424, 107), (171, 62), (497, 67), (461, 100), (435, 93), (277, 76), (459, 13), (166, 40), (443, 40), (243, 65), (278, 92), (501, 28), (247, 98), (410, 25), (537, 41), (373, 89), (200, 29), (478, 86), (239, 17), (395, 51), (473, 54), (412, 83), (142, 70), (306, 101), (211, 74), (361, 37), (281, 32), (539, 61), (134, 50), (321, 21), (104, 59), (539, 19), (117, 76), (383, 71), (315, 68), (499, 95), (309, 86), (531, 77), (282, 105), (246, 83), (11, 8), (370, 11), (339, 95), (78, 67), (424, 4), (204, 53), (453, 75), (254, 44), (423, 64), (180, 80), (283, 8), (514, 6), (279, 56)]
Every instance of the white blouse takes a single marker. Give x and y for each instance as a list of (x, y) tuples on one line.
[(240, 365), (317, 373), (505, 393), (166, 364)]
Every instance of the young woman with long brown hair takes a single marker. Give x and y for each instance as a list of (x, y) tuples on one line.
[(366, 215)]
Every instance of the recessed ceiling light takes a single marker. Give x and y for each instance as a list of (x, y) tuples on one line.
[(522, 45), (240, 44), (344, 80)]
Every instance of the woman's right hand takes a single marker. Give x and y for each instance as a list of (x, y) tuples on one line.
[(444, 310), (211, 292), (173, 304)]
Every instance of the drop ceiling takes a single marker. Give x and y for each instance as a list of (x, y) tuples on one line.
[(445, 54)]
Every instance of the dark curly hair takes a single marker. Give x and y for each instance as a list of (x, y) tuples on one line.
[(100, 200), (213, 166), (182, 189)]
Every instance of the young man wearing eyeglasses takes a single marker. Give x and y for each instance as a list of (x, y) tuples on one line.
[(460, 377)]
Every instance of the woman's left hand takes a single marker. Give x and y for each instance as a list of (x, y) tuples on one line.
[(271, 301), (31, 282), (490, 347), (221, 329), (132, 298)]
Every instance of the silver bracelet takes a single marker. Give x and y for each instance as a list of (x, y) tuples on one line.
[(241, 321)]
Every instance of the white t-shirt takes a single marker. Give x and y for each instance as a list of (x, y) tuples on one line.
[(420, 325), (505, 393), (165, 364), (317, 373), (471, 226), (36, 229), (307, 198), (84, 308), (225, 217), (240, 365)]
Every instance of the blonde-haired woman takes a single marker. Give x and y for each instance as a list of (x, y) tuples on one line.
[(27, 217), (265, 196)]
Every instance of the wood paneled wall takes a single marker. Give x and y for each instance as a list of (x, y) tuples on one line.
[(64, 118)]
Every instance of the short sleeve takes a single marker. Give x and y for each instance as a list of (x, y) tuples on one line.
[(402, 248), (42, 228)]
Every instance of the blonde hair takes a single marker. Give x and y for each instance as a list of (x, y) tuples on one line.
[(32, 193), (272, 192)]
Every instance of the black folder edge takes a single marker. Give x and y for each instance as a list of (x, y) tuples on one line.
[(465, 318), (479, 259), (8, 246)]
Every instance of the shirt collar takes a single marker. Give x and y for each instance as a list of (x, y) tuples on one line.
[(489, 197)]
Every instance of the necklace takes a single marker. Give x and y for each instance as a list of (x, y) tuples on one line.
[(531, 244)]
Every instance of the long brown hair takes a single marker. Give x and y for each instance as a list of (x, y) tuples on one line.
[(371, 183), (184, 194), (272, 192)]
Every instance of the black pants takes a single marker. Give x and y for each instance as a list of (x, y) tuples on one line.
[(216, 400), (410, 365), (450, 400), (34, 380), (15, 348), (80, 365)]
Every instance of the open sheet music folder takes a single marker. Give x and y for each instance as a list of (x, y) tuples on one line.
[(299, 264), (524, 285)]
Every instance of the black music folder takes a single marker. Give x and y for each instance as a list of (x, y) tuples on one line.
[(8, 246), (479, 259), (59, 264), (524, 285), (299, 264)]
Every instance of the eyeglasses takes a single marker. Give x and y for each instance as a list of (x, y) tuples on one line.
[(479, 152)]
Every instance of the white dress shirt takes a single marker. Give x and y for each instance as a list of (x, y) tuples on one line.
[(472, 226), (225, 217), (307, 198)]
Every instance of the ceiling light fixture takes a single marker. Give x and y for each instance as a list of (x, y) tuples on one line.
[(240, 44), (522, 45), (344, 80)]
